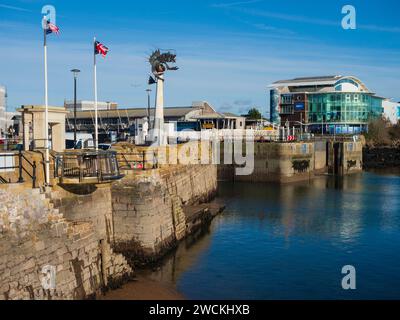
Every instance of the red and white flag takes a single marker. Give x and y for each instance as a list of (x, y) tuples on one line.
[(52, 28), (100, 48)]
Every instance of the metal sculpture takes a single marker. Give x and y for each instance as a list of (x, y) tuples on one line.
[(160, 63)]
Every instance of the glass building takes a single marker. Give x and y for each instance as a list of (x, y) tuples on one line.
[(333, 104)]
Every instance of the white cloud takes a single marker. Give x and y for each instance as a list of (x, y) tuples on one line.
[(313, 21), (376, 28), (5, 6)]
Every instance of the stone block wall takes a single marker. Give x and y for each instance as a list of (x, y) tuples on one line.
[(320, 156), (35, 237), (345, 157), (276, 162), (352, 157), (86, 203), (147, 209)]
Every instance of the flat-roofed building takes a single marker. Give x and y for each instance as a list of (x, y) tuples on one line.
[(221, 121), (126, 121), (196, 117), (328, 104)]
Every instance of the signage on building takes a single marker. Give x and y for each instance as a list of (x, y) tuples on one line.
[(299, 106)]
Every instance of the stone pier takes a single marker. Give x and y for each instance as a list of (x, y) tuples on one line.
[(298, 161), (149, 210)]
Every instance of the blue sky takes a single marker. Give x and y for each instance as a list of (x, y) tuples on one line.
[(229, 51)]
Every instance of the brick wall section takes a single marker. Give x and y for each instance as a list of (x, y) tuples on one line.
[(148, 208), (33, 235)]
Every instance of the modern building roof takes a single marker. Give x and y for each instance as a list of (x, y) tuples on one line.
[(217, 115), (309, 80), (175, 112), (321, 81), (231, 115)]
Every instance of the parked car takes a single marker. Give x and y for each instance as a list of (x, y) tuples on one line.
[(105, 146), (18, 147), (84, 141)]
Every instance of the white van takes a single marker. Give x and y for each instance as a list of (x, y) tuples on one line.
[(83, 141)]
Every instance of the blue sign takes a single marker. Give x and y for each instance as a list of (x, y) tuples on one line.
[(299, 106)]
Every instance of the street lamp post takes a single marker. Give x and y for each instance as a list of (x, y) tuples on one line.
[(75, 72)]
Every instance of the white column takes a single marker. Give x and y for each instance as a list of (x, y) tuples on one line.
[(159, 119)]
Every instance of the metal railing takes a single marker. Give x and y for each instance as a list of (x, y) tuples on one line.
[(21, 168), (86, 166), (137, 160)]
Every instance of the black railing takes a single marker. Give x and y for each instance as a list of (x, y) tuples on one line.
[(86, 167), (21, 168)]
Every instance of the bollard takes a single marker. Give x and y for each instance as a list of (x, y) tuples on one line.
[(34, 175), (20, 179)]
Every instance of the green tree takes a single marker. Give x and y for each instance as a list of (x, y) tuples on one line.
[(254, 114)]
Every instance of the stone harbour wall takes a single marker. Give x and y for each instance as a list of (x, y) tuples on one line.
[(276, 162), (86, 203), (148, 212), (43, 256), (320, 156), (89, 236), (352, 157)]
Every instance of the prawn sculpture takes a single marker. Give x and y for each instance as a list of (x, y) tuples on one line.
[(160, 62)]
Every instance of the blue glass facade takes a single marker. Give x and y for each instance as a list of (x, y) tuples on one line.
[(343, 113)]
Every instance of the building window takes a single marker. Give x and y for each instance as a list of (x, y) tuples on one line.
[(287, 99), (287, 109)]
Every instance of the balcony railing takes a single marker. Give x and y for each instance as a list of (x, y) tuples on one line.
[(86, 167)]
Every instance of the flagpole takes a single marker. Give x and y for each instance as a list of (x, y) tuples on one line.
[(46, 117), (95, 98)]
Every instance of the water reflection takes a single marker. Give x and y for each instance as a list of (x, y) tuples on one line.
[(184, 258), (290, 242)]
